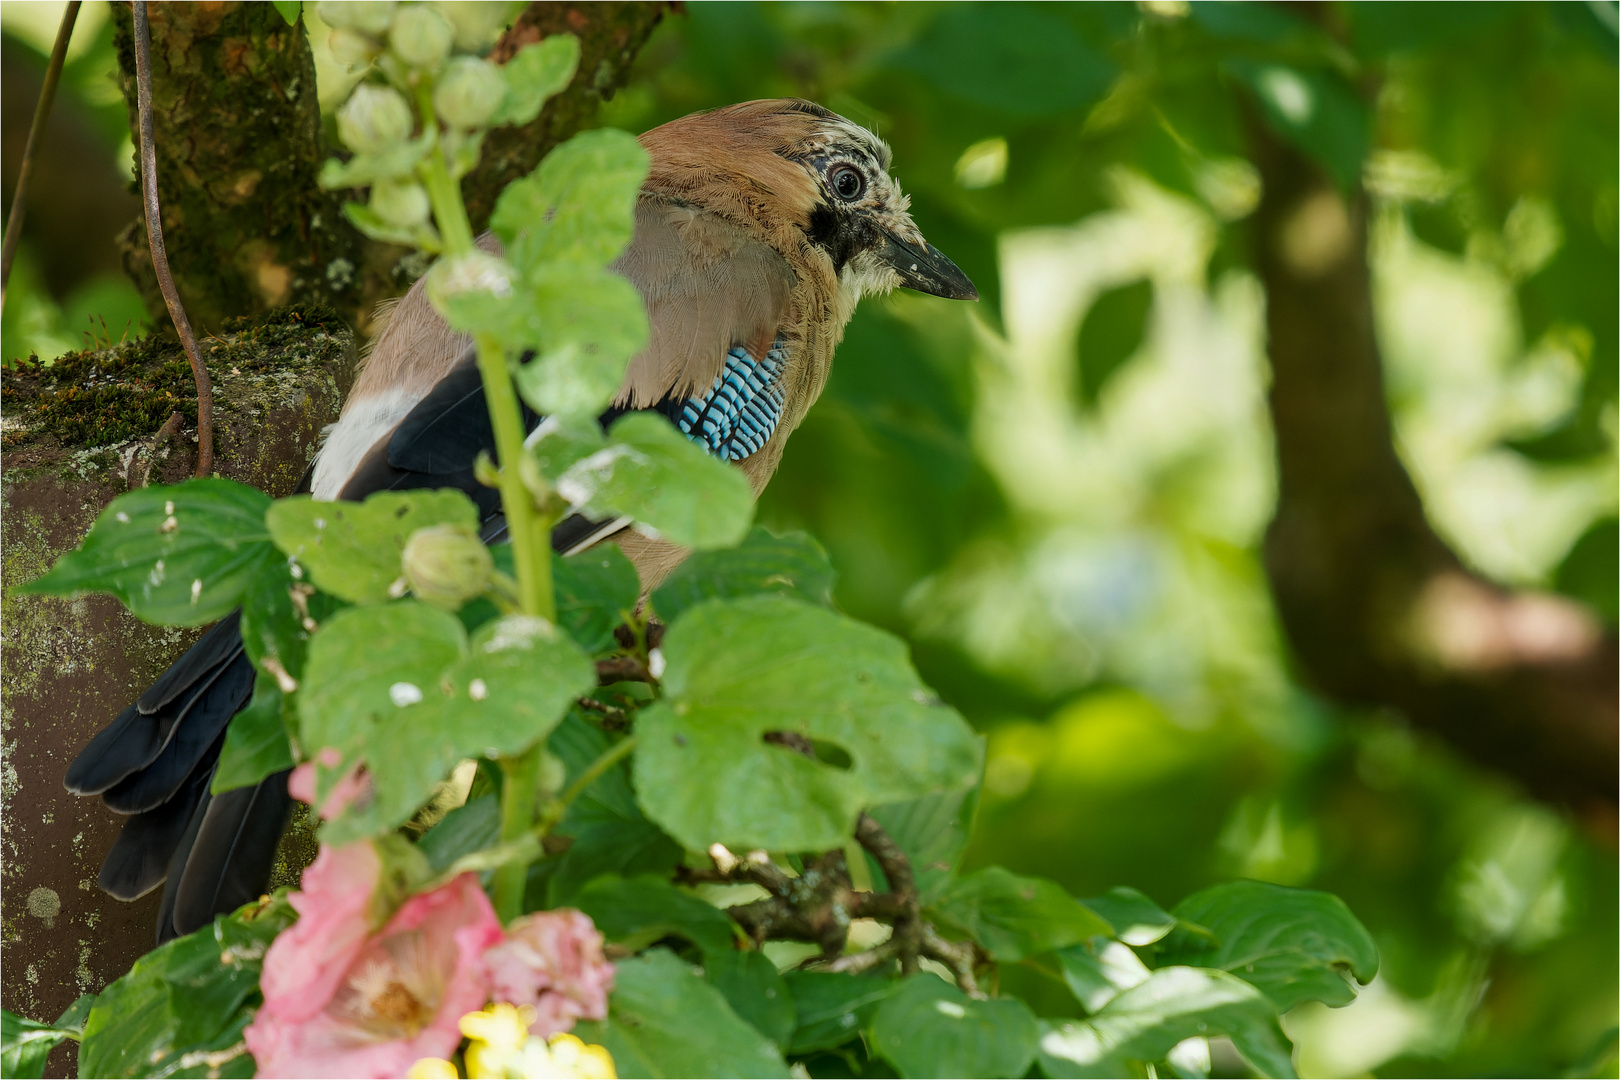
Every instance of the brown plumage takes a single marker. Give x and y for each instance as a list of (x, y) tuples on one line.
[(742, 238), (759, 226)]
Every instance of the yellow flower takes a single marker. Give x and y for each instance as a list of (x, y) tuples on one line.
[(584, 1060), (432, 1069), (501, 1048), (504, 1027)]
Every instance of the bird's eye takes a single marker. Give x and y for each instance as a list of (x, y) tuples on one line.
[(848, 182)]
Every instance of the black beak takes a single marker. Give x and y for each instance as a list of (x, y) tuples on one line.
[(926, 269)]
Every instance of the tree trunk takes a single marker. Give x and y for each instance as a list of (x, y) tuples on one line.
[(1378, 609), (238, 133), (239, 149), (78, 434)]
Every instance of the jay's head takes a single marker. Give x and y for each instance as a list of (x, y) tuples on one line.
[(814, 182)]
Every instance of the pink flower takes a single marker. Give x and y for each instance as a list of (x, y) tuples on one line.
[(553, 961), (352, 787), (340, 1001)]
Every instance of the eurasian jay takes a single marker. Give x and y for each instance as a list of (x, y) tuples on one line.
[(759, 228)]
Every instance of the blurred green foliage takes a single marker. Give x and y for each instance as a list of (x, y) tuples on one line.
[(1057, 497)]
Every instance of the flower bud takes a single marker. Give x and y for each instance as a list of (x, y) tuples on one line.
[(478, 23), (351, 48), (447, 565), (469, 93), (367, 16), (373, 119), (400, 202), (476, 271), (421, 37)]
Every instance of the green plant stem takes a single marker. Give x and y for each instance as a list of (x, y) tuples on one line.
[(531, 551), (593, 772), (530, 531), (521, 780)]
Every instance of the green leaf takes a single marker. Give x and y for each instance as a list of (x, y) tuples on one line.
[(1145, 1022), (930, 1028), (583, 324), (755, 991), (794, 564), (26, 1044), (578, 206), (738, 669), (1099, 969), (192, 994), (175, 556), (537, 73), (933, 832), (596, 591), (610, 833), (352, 550), (1136, 919), (256, 743), (665, 1021), (1296, 945), (1015, 917), (635, 912), (363, 169), (374, 225), (833, 1008), (653, 473), (471, 827), (290, 10), (414, 709)]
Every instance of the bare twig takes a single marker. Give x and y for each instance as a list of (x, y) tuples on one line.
[(165, 433), (19, 196), (154, 236), (622, 669)]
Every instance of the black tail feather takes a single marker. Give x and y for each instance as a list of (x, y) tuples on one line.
[(141, 732), (140, 856), (216, 646), (233, 853), (177, 863), (196, 729)]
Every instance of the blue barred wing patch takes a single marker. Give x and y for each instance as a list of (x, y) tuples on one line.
[(739, 413)]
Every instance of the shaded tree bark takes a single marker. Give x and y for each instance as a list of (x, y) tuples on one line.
[(1379, 611), (240, 146), (238, 135)]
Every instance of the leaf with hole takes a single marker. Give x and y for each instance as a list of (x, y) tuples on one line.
[(737, 670)]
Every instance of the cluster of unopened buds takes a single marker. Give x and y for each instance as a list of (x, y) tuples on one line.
[(500, 1045)]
